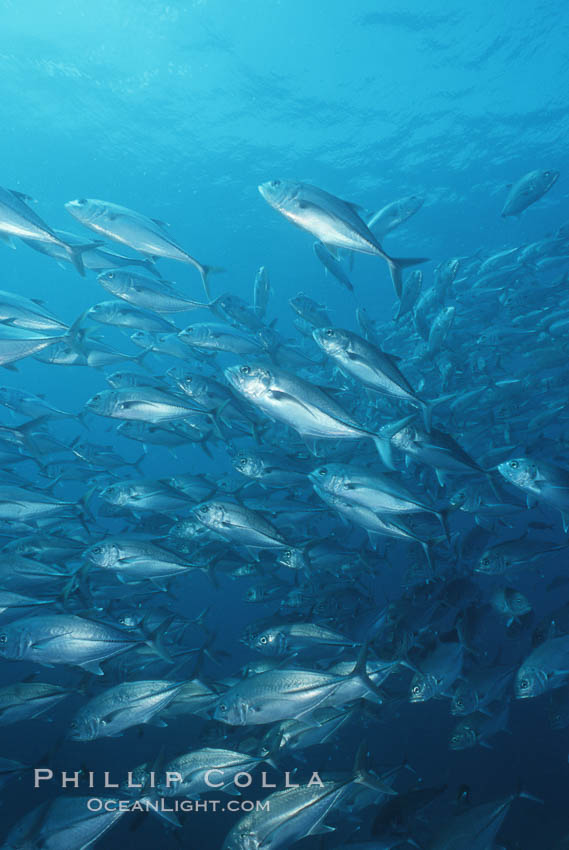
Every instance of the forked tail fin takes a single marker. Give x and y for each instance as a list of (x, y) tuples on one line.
[(396, 266)]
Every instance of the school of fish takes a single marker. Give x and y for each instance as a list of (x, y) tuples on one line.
[(422, 451)]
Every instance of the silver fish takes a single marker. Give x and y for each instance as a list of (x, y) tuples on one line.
[(332, 221), (147, 235), (289, 399), (18, 219), (159, 296), (261, 292), (49, 639), (119, 708), (527, 190)]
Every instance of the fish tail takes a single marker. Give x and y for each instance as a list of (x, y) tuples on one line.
[(493, 487), (76, 254), (427, 410), (383, 446), (360, 672), (396, 266), (383, 440), (362, 776), (205, 272), (428, 555), (155, 639), (150, 266), (442, 517)]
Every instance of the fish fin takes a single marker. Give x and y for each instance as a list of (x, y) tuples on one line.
[(442, 517), (396, 266), (164, 814), (332, 249), (23, 197), (428, 555), (363, 777), (155, 639), (360, 672), (526, 796), (205, 272), (357, 208), (374, 539), (7, 240), (385, 451), (75, 254), (427, 415), (394, 427), (92, 667), (321, 829), (150, 266)]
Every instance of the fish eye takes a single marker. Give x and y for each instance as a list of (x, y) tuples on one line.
[(3, 638), (524, 684), (460, 702), (245, 370), (416, 689), (263, 640), (275, 183), (287, 553), (204, 509), (81, 201), (546, 173), (329, 332), (514, 464), (222, 707), (110, 275), (485, 562), (322, 471), (97, 550), (96, 397)]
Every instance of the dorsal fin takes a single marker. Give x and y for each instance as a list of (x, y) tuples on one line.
[(23, 197), (357, 208)]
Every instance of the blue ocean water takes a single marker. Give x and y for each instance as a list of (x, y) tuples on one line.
[(179, 110)]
